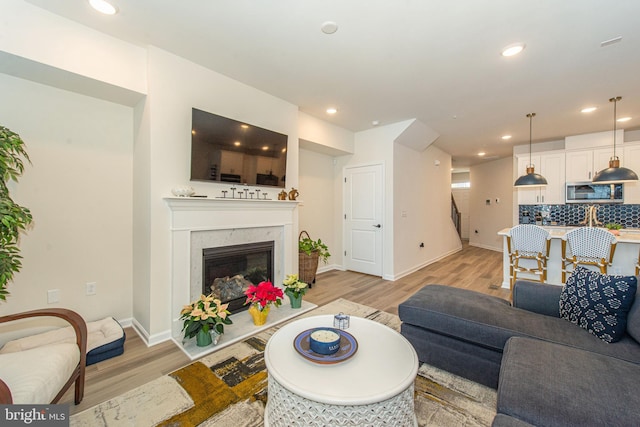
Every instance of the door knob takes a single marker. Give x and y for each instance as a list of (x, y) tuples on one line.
[(377, 226)]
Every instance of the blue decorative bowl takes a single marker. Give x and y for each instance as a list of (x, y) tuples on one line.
[(324, 340)]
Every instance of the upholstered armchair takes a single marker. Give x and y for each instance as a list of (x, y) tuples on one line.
[(43, 374)]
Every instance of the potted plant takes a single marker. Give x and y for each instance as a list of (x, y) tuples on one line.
[(261, 297), (205, 316), (15, 218), (614, 228), (309, 252), (294, 289)]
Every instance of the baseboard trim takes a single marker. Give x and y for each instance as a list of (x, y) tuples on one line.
[(150, 340), (491, 248), (424, 264)]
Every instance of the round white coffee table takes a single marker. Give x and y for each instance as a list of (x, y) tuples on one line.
[(373, 387)]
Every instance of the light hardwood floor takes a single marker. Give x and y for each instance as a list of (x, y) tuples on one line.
[(472, 268)]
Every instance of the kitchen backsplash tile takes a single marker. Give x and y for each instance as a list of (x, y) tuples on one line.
[(573, 214)]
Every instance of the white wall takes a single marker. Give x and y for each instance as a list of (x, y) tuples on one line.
[(79, 190), (317, 212), (490, 181), (422, 208)]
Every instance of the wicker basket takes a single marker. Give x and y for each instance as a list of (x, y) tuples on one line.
[(307, 264)]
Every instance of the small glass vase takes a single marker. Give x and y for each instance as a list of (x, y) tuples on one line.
[(295, 301), (259, 316)]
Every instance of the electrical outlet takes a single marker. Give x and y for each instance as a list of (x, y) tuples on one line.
[(92, 288), (53, 296)]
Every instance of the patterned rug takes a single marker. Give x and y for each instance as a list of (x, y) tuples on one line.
[(229, 388)]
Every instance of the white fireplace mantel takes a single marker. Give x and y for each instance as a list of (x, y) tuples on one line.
[(223, 221)]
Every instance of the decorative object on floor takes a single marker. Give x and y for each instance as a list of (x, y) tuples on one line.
[(204, 317), (293, 194), (309, 252), (239, 378), (15, 218), (615, 173), (531, 179), (294, 289), (261, 297)]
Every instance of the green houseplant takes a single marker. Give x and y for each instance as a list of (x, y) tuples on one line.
[(309, 252), (14, 218), (614, 228)]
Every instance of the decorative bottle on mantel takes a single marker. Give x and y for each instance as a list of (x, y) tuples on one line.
[(293, 194)]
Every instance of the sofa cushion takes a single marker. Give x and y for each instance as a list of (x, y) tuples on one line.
[(35, 376), (633, 318), (489, 322), (547, 384), (598, 302)]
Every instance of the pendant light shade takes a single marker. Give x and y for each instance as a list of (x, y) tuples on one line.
[(614, 173), (531, 179)]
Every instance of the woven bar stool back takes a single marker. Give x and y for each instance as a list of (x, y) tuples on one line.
[(528, 242), (587, 246)]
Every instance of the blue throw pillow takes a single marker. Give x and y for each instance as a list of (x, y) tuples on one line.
[(598, 302)]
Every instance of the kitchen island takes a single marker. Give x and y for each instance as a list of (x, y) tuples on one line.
[(624, 259)]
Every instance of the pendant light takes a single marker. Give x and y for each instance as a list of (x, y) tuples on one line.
[(614, 173), (531, 179)]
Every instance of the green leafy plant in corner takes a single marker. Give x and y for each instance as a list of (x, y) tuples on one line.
[(307, 245), (613, 226), (13, 218)]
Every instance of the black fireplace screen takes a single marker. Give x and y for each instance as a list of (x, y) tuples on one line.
[(229, 270)]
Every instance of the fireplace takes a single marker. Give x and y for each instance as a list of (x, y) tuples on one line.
[(227, 271)]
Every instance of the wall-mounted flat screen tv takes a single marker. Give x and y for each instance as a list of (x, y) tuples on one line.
[(226, 150)]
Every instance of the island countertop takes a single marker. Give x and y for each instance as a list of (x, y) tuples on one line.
[(627, 235)]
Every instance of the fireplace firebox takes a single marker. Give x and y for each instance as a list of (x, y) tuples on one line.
[(228, 271)]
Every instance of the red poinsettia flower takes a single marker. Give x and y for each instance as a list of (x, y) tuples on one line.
[(263, 294)]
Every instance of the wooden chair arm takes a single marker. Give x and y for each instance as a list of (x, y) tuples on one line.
[(5, 394)]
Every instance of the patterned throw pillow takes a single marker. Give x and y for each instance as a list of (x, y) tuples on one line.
[(598, 302)]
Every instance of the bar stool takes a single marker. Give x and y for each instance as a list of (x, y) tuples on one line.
[(528, 242), (587, 246)]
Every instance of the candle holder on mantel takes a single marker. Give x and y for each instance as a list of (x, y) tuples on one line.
[(243, 194)]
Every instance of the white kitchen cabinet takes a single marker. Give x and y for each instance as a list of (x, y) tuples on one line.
[(632, 161), (551, 165), (582, 165)]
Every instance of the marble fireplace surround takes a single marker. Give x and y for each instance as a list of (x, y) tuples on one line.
[(198, 223)]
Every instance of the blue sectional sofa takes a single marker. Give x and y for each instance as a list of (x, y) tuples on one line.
[(548, 371)]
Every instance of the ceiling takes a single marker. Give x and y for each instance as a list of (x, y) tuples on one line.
[(434, 60)]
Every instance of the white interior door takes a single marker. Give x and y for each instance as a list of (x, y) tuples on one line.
[(363, 219)]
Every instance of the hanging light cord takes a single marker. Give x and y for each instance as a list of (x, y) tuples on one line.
[(615, 121), (530, 115)]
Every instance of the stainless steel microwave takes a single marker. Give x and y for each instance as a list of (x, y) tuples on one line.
[(588, 192)]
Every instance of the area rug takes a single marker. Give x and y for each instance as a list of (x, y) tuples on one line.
[(229, 388)]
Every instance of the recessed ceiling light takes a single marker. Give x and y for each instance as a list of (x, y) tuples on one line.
[(329, 27), (589, 110), (237, 144), (375, 122), (482, 153), (505, 137), (513, 49), (624, 119), (332, 110), (244, 126), (265, 148), (103, 6)]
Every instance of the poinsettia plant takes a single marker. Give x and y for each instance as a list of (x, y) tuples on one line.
[(206, 313), (263, 294), (294, 286)]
